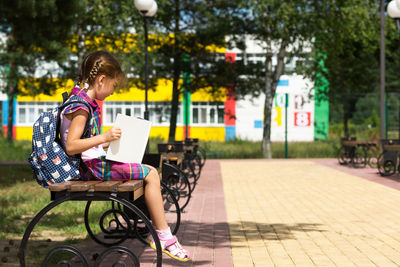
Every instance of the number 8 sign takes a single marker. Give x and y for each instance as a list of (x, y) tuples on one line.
[(302, 119)]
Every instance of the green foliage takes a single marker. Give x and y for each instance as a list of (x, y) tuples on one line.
[(361, 132), (30, 41)]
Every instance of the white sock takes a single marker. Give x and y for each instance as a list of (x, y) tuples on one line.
[(164, 234)]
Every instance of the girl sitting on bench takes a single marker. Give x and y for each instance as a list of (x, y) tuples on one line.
[(99, 74)]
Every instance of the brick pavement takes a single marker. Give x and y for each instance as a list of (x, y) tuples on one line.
[(310, 213), (288, 213), (203, 231)]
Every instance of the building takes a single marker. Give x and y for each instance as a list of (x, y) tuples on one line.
[(200, 115)]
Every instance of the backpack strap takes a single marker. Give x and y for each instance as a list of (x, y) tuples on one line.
[(86, 133), (66, 102), (65, 96)]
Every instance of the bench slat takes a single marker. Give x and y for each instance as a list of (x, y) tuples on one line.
[(83, 186), (107, 186), (61, 186), (131, 185), (392, 147)]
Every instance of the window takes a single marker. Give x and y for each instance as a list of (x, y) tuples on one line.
[(159, 112), (28, 112), (208, 113), (112, 108)]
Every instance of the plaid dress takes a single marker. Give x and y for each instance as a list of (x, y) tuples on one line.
[(100, 167)]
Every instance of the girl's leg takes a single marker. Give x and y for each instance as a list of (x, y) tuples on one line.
[(154, 202)]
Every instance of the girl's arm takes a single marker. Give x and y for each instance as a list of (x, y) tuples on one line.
[(76, 145)]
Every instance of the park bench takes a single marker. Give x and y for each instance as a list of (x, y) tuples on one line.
[(388, 159), (357, 153), (123, 193), (170, 163), (186, 155), (127, 215), (194, 157)]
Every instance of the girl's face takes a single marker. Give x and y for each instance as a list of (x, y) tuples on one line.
[(105, 87)]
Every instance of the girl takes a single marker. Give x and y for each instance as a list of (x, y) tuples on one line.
[(100, 72)]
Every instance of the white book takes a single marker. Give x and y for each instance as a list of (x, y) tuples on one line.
[(131, 146)]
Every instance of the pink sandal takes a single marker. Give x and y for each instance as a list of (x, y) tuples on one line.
[(172, 248)]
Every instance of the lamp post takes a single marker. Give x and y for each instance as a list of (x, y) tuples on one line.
[(393, 10), (147, 9)]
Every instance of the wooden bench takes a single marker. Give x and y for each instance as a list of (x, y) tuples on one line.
[(169, 165), (123, 193), (356, 153), (388, 160)]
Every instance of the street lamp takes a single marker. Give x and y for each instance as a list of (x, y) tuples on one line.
[(147, 8), (393, 9)]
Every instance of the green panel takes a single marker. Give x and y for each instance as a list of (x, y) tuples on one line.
[(321, 112), (186, 99)]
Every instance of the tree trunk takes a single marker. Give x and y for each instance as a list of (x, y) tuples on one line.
[(81, 42), (266, 141), (176, 77), (11, 94), (271, 83), (346, 125), (174, 104)]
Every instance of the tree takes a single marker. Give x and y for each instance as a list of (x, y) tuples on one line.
[(109, 25), (349, 37), (189, 31), (283, 28), (29, 41)]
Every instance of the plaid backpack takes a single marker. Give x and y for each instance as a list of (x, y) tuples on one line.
[(49, 162)]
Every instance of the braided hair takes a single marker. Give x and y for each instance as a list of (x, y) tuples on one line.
[(99, 63)]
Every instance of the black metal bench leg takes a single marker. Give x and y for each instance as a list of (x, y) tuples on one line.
[(90, 196)]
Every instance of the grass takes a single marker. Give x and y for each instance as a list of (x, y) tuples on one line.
[(16, 151), (21, 198), (250, 149)]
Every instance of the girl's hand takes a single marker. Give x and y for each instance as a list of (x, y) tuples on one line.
[(112, 134)]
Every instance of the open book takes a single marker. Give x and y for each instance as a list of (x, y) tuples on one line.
[(131, 146)]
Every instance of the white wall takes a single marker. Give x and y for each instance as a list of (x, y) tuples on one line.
[(249, 113)]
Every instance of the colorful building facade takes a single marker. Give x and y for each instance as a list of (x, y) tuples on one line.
[(200, 115)]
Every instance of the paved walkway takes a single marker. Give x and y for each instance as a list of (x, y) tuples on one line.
[(288, 213), (305, 213), (204, 230)]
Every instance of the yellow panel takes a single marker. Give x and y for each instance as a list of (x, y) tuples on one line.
[(23, 133), (160, 132), (203, 133), (203, 95), (163, 92), (208, 133), (69, 84)]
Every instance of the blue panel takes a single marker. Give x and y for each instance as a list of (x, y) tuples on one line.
[(258, 124), (15, 112), (283, 83), (5, 112), (230, 132)]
